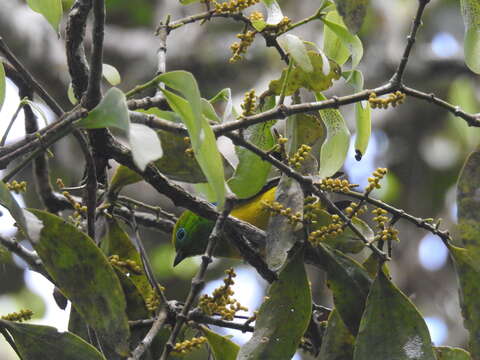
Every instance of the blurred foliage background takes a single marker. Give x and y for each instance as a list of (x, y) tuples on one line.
[(423, 146)]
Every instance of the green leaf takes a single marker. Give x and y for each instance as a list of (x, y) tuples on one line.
[(283, 317), (351, 42), (332, 45), (111, 112), (117, 242), (335, 148), (163, 114), (349, 283), (281, 235), (136, 306), (2, 85), (201, 135), (471, 18), (353, 13), (35, 342), (85, 277), (298, 78), (467, 267), (209, 112), (468, 187), (223, 348), (391, 327), (363, 116), (226, 96), (111, 74), (71, 95), (337, 343), (274, 12), (295, 47), (252, 172), (451, 353), (50, 9), (78, 326), (145, 145)]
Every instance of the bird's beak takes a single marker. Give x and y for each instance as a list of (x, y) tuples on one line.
[(178, 259)]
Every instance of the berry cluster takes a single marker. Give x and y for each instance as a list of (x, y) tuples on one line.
[(256, 16), (17, 187), (283, 25), (298, 158), (374, 180), (279, 209), (240, 48), (336, 185), (22, 315), (386, 231), (127, 265), (333, 229), (187, 346), (393, 99), (233, 6), (152, 302), (249, 103), (354, 210), (221, 302)]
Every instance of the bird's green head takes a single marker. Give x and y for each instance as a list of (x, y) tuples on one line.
[(190, 235)]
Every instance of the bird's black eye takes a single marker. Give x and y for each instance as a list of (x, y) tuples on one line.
[(181, 234)]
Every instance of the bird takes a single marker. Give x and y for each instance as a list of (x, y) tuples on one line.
[(191, 232)]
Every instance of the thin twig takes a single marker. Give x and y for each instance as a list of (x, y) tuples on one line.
[(155, 209), (91, 183), (417, 21), (198, 281), (4, 49), (75, 34), (94, 94), (157, 325)]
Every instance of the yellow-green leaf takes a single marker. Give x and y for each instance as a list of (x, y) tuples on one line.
[(111, 74), (363, 118), (332, 45), (335, 148), (201, 135), (451, 353), (471, 18), (223, 348), (50, 9), (112, 111), (351, 42), (298, 78)]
